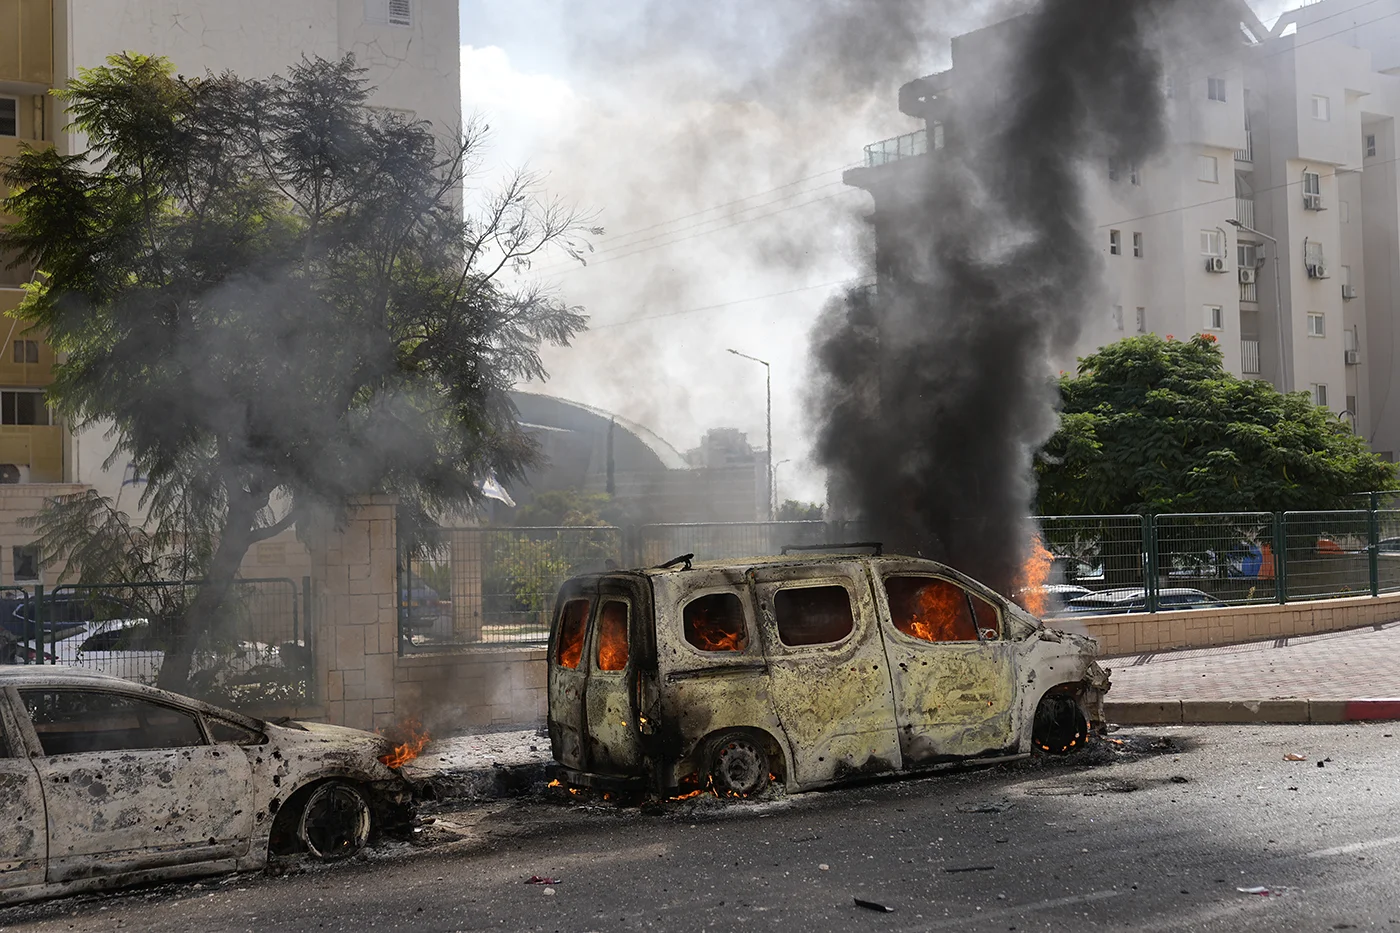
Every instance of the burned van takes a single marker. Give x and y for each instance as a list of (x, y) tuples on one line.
[(804, 671)]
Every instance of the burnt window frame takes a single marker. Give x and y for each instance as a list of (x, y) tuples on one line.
[(21, 708), (596, 629), (813, 584), (745, 606), (558, 630), (970, 592)]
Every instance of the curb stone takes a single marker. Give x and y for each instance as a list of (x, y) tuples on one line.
[(1283, 711)]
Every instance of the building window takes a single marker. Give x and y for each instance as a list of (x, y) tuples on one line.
[(1321, 108), (1208, 169), (1169, 87), (1247, 254), (1344, 212), (1115, 242), (1215, 317), (389, 12), (1113, 172), (9, 116), (1212, 243), (1312, 183), (1137, 245), (1346, 276), (26, 558), (1319, 394), (1351, 407), (938, 137), (1313, 260), (24, 408), (1215, 89), (1317, 325), (1134, 176), (26, 351), (1118, 317), (1142, 320), (1370, 145)]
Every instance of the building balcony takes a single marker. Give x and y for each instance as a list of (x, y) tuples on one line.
[(26, 42), (1244, 211), (1246, 155), (896, 148), (1249, 357), (1249, 292)]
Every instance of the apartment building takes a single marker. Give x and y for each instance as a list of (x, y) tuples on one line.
[(410, 49), (1270, 221)]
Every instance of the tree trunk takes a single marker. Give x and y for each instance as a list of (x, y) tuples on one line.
[(208, 601)]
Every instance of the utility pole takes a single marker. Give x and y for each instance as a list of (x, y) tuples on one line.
[(769, 369)]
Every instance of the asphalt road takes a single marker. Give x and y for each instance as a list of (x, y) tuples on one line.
[(1131, 837)]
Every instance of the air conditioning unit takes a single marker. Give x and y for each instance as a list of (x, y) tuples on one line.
[(1313, 202), (1215, 264), (1247, 276), (1317, 271), (1353, 357), (13, 473), (1348, 292)]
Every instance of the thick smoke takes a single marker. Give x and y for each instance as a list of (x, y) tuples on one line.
[(934, 394)]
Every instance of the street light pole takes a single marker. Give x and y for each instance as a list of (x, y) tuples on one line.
[(1285, 377), (769, 381)]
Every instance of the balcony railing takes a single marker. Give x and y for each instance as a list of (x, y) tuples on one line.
[(1244, 211), (896, 148), (1249, 353), (1249, 292), (1247, 153)]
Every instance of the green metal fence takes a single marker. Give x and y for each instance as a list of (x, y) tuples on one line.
[(1230, 556), (1328, 554), (257, 650), (1095, 552)]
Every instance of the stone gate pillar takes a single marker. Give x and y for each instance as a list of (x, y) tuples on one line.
[(354, 576)]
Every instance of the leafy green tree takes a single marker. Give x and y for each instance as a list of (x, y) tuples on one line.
[(794, 511), (569, 508), (1151, 426), (269, 291)]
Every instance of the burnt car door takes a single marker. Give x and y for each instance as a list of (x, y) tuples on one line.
[(615, 658), (130, 784), (23, 833), (828, 678), (954, 674), (568, 672)]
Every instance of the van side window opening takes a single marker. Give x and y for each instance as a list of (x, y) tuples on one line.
[(573, 622), (612, 636), (716, 623), (814, 615), (988, 620), (930, 610)]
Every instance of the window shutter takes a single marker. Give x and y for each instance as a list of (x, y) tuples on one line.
[(400, 12)]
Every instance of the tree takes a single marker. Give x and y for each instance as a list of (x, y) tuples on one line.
[(269, 291), (569, 508), (1151, 426), (793, 511)]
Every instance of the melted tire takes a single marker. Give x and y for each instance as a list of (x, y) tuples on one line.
[(1060, 727), (335, 822)]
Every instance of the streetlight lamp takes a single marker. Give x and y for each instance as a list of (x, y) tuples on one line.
[(769, 369), (1284, 377)]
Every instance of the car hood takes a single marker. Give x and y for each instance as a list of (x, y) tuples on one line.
[(325, 734)]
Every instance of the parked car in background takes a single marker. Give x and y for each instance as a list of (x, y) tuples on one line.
[(1134, 599), (110, 783), (807, 671), (424, 607), (64, 613)]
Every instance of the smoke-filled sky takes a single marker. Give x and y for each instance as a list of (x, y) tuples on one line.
[(661, 115)]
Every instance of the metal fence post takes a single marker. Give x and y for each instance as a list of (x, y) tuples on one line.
[(1281, 557), (39, 624), (1373, 548), (1149, 548)]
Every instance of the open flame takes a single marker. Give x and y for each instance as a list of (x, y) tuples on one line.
[(409, 738), (707, 633), (1034, 574)]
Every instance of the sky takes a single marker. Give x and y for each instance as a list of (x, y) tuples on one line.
[(710, 145)]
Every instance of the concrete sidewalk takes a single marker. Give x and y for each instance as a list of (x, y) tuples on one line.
[(1334, 677)]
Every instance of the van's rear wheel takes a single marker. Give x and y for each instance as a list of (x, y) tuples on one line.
[(739, 765)]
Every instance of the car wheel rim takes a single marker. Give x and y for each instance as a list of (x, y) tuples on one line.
[(335, 823), (741, 768)]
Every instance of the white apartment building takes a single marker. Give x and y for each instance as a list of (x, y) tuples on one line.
[(1282, 167)]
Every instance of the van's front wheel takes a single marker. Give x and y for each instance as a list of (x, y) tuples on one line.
[(739, 765)]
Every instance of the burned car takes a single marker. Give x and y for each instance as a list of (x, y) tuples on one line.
[(804, 671), (106, 783)]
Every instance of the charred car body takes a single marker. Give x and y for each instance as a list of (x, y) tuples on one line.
[(806, 671), (106, 783)]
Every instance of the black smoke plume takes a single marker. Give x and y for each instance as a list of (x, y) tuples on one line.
[(933, 395)]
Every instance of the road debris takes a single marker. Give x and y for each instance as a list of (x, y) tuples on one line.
[(1294, 756), (871, 905), (536, 879), (823, 867), (995, 806), (963, 868), (1260, 891)]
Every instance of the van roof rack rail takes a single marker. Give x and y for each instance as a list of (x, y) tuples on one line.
[(877, 548), (683, 559)]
